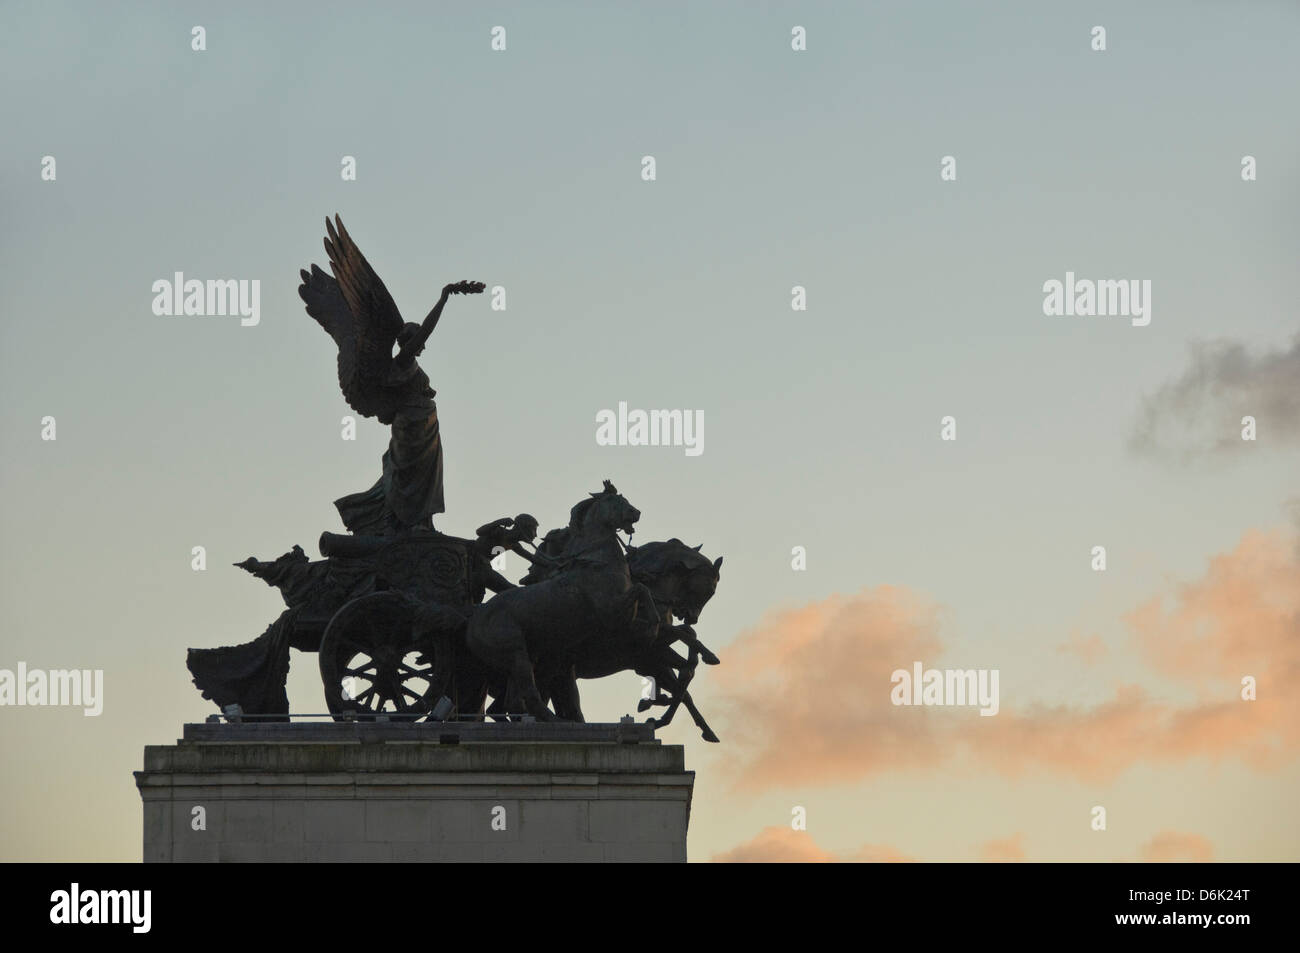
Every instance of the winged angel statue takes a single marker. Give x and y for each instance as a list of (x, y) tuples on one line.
[(360, 315)]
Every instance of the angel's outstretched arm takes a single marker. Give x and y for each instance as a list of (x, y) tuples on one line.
[(412, 347), (490, 528)]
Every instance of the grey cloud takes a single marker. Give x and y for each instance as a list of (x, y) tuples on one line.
[(1200, 412)]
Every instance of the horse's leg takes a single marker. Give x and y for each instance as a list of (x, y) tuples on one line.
[(550, 685), (471, 683), (664, 655), (686, 633), (654, 667), (680, 683), (706, 655), (500, 706), (499, 689), (500, 644), (521, 673), (470, 695), (705, 731), (568, 704), (660, 699), (682, 696), (664, 678)]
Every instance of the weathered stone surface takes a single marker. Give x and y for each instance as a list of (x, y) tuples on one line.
[(340, 798), (439, 732)]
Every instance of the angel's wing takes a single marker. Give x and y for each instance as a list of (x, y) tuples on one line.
[(359, 314)]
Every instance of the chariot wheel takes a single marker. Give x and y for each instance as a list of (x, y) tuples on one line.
[(376, 664)]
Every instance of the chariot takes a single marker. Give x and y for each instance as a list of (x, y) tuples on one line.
[(395, 648)]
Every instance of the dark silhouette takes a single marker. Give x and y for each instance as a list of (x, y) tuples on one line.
[(592, 596), (359, 314), (395, 608)]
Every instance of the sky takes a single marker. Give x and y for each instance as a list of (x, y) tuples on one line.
[(774, 168)]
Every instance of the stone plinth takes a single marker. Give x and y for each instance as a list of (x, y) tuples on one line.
[(407, 792)]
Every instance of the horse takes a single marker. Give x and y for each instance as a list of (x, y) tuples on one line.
[(590, 596), (681, 581)]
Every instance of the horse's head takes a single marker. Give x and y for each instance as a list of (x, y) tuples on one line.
[(680, 574), (605, 511)]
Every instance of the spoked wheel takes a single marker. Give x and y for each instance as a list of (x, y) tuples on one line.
[(375, 664)]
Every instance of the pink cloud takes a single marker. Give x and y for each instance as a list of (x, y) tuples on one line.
[(806, 691), (1007, 850), (782, 845), (803, 691), (1172, 846)]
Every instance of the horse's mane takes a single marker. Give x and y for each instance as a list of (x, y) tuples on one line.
[(579, 512), (656, 558)]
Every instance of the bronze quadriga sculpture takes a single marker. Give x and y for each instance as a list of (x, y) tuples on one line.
[(395, 608)]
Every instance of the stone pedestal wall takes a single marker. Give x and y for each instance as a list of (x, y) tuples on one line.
[(376, 792)]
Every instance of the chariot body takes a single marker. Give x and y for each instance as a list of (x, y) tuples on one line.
[(399, 649), (387, 615)]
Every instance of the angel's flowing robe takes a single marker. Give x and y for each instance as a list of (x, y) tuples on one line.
[(409, 491)]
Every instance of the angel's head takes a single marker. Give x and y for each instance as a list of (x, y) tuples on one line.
[(407, 334)]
